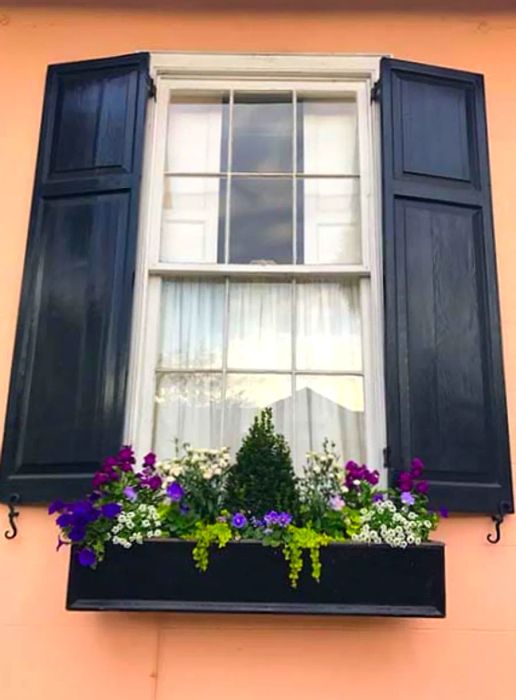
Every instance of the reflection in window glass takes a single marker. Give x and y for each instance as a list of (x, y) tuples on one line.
[(192, 324), (192, 219), (262, 133), (246, 395), (188, 407), (328, 327), (197, 135), (329, 144), (329, 216), (260, 325), (261, 220), (330, 407)]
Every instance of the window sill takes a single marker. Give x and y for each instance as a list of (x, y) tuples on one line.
[(356, 579)]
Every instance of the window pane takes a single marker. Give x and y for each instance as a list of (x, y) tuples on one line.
[(262, 133), (260, 326), (329, 143), (188, 407), (246, 395), (330, 407), (192, 324), (261, 220), (193, 219), (196, 139), (328, 326), (329, 221)]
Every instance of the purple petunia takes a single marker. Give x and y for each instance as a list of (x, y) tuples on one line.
[(56, 507), (175, 491), (153, 482), (377, 497), (407, 498), (422, 487), (111, 510), (149, 459), (77, 533), (443, 512), (239, 521), (273, 518), (416, 467), (130, 493), (86, 557)]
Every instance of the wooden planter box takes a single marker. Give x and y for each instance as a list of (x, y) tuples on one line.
[(356, 579)]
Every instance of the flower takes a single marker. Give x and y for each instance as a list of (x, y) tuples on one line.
[(422, 487), (239, 521), (126, 454), (77, 533), (416, 468), (175, 491), (152, 482), (99, 479), (130, 493), (65, 520), (407, 498), (443, 512), (111, 510), (405, 481), (150, 459), (56, 507), (86, 557), (336, 503), (274, 518), (284, 519), (377, 497)]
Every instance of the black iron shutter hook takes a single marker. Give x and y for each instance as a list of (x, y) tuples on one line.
[(14, 499), (498, 518)]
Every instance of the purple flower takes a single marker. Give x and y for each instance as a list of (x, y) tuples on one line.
[(86, 557), (336, 503), (126, 454), (184, 508), (111, 510), (405, 481), (175, 491), (151, 482), (130, 493), (372, 477), (56, 507), (109, 463), (239, 521), (270, 518), (64, 520), (284, 519), (416, 468), (422, 487), (77, 533), (407, 498), (377, 497), (256, 522), (443, 512), (99, 479), (150, 459)]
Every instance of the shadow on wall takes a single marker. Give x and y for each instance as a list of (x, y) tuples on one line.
[(413, 6)]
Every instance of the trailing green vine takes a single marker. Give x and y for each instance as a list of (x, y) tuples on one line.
[(297, 540), (206, 535)]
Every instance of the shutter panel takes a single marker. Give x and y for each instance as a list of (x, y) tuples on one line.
[(67, 392), (444, 374)]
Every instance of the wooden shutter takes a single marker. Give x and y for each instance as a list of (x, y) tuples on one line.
[(67, 392), (445, 386)]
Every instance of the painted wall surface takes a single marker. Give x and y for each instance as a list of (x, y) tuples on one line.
[(46, 652)]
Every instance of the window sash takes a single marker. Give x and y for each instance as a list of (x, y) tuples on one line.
[(151, 270)]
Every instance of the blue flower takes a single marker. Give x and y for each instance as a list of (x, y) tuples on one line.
[(175, 491), (111, 510), (130, 493), (239, 521), (407, 498), (56, 507), (77, 533), (86, 557)]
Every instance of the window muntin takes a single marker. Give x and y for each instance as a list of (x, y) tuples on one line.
[(329, 196)]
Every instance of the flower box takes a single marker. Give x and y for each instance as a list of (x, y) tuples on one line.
[(356, 579)]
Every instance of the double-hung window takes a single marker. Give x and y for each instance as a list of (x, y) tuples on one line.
[(259, 276)]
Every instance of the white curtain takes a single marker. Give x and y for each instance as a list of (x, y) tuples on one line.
[(192, 324)]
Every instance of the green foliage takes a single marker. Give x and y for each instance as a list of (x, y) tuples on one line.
[(297, 541), (206, 535), (263, 477)]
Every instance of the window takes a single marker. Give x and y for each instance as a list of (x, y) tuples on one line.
[(259, 279)]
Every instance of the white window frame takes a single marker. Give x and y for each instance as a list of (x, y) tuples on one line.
[(331, 73)]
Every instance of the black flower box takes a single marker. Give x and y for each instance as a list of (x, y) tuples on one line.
[(246, 577)]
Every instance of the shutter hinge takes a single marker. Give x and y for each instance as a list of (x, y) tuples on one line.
[(498, 518), (387, 457), (13, 501), (376, 91), (151, 87)]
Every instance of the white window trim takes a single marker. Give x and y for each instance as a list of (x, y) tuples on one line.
[(332, 69)]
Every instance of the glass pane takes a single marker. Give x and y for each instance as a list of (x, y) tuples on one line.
[(197, 134), (261, 220), (329, 142), (188, 407), (328, 326), (260, 325), (192, 324), (262, 133), (330, 407), (193, 219), (246, 395), (329, 221)]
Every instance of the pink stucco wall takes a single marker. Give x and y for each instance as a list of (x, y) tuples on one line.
[(46, 652)]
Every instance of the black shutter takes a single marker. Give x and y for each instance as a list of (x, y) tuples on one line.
[(444, 373), (67, 392)]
